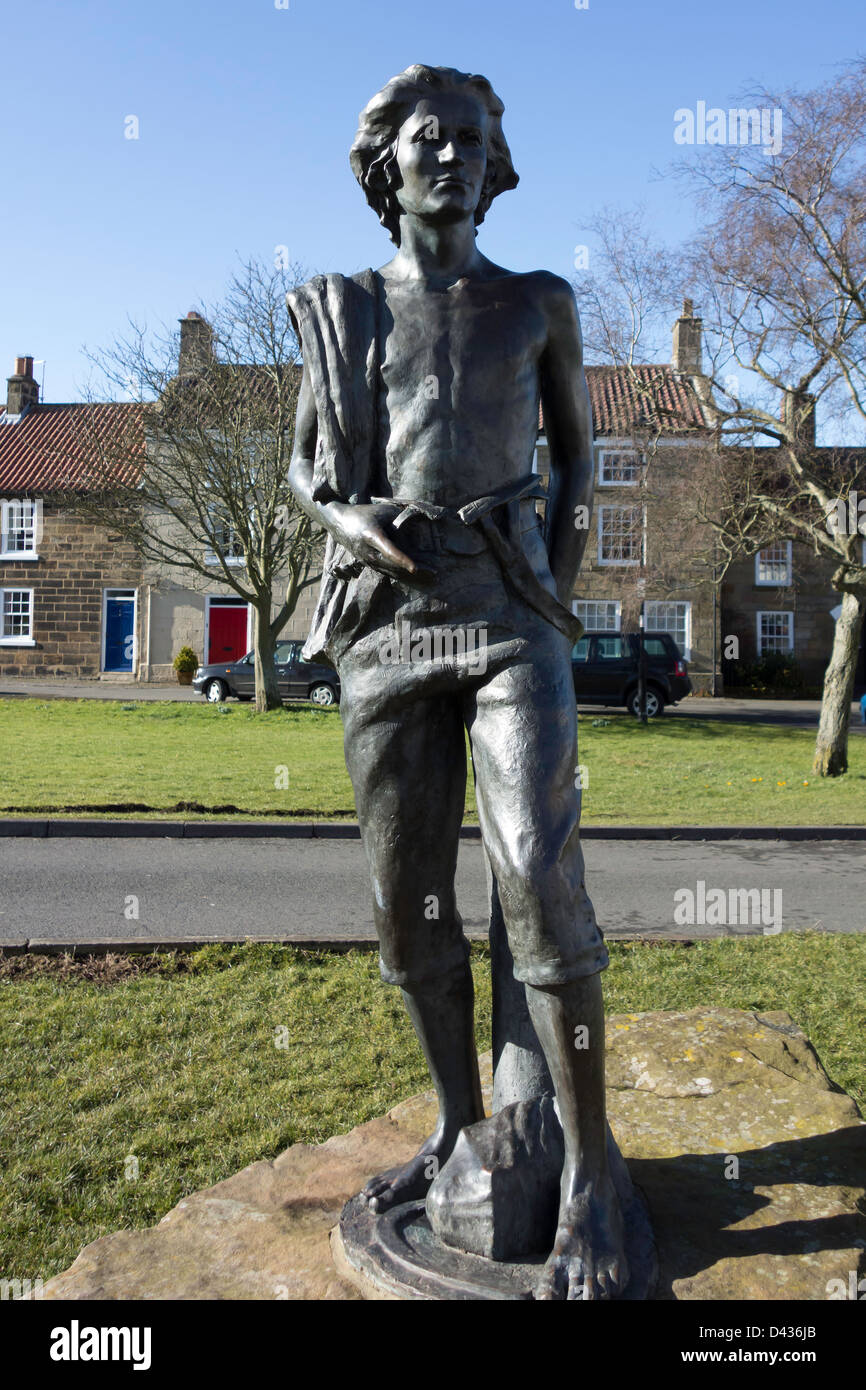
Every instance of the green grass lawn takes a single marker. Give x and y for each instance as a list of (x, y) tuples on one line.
[(103, 757), (174, 1062)]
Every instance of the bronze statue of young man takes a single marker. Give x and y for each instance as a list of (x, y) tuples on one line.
[(415, 436)]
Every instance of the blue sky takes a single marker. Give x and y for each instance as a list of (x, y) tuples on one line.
[(246, 113)]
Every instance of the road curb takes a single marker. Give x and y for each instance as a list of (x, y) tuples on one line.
[(136, 946), (59, 828)]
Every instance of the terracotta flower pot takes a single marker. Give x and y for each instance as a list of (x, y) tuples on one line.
[(184, 677)]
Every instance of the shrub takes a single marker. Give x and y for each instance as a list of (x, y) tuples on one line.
[(186, 660), (775, 671)]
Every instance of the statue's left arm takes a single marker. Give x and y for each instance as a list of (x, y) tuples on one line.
[(568, 428)]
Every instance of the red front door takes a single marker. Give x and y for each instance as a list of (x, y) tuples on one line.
[(228, 633)]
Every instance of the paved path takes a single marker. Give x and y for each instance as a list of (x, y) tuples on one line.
[(19, 687), (81, 890), (798, 714)]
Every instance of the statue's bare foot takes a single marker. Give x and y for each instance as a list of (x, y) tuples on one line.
[(588, 1257), (411, 1182)]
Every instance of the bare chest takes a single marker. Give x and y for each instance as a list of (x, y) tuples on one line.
[(453, 348)]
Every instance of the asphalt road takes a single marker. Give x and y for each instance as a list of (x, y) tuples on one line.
[(90, 890)]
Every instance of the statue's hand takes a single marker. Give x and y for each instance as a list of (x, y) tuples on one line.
[(361, 529)]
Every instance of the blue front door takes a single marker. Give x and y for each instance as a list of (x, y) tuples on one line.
[(119, 633)]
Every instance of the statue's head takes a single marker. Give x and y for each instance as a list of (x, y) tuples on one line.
[(431, 143)]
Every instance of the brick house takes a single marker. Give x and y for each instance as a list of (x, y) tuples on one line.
[(647, 422), (782, 600), (69, 591), (77, 601)]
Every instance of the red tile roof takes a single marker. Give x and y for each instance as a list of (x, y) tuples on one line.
[(59, 446), (651, 396), (52, 447)]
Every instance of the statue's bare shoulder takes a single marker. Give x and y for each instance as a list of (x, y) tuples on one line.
[(549, 293), (557, 297)]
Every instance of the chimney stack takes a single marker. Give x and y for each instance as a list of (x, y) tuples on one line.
[(798, 416), (687, 341), (22, 390), (196, 345)]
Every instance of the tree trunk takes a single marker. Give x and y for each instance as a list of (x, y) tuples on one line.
[(831, 749), (267, 690)]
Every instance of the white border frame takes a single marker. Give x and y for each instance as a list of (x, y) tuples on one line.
[(24, 556), (20, 641), (230, 561), (777, 613), (617, 446), (119, 591), (621, 507), (687, 604), (617, 603), (774, 583)]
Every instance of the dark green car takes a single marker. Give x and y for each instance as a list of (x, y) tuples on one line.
[(297, 679), (605, 670)]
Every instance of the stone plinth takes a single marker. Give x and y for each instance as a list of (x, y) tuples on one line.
[(751, 1164)]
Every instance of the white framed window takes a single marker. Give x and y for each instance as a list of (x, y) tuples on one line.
[(19, 527), (773, 567), (775, 632), (226, 546), (16, 618), (598, 615), (673, 617), (621, 535), (619, 467)]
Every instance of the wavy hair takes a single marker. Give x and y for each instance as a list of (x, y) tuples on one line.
[(373, 153)]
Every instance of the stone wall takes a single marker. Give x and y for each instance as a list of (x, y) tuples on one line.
[(676, 555), (77, 561), (810, 597)]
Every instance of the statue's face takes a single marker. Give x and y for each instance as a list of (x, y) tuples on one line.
[(442, 157)]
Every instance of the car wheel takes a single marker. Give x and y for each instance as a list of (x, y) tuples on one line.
[(215, 692), (655, 704), (322, 695)]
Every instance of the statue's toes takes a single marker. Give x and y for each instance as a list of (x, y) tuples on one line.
[(375, 1188), (553, 1282), (581, 1287), (620, 1274), (608, 1281), (382, 1199)]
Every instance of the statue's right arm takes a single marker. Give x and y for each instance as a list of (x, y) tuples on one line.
[(357, 527)]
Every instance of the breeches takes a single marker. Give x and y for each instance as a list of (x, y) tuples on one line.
[(404, 718)]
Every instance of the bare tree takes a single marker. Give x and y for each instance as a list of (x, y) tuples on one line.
[(780, 271), (210, 494)]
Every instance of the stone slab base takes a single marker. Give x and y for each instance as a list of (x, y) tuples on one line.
[(752, 1165)]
